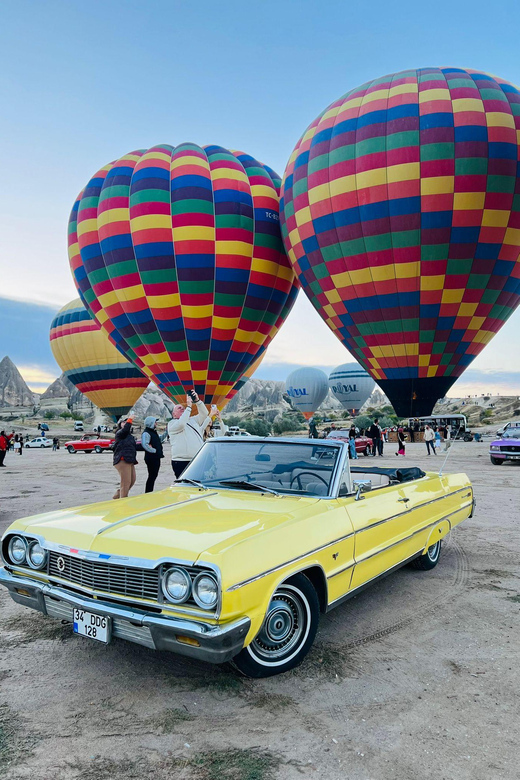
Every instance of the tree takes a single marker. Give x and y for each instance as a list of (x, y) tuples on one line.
[(49, 415), (286, 424), (257, 427), (232, 420), (65, 415)]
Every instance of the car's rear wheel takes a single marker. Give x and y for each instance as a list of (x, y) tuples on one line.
[(366, 451), (287, 632), (98, 449), (42, 446), (496, 461), (430, 559), (71, 449)]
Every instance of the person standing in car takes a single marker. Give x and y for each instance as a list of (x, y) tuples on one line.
[(187, 433), (151, 442), (125, 460)]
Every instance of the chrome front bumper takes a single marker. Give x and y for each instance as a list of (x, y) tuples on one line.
[(215, 644)]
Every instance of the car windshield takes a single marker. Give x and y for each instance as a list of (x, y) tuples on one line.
[(282, 467)]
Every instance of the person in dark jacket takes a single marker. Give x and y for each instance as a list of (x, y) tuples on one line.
[(375, 434), (401, 438), (125, 457), (151, 442), (3, 448)]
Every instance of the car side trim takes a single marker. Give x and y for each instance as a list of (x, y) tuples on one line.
[(351, 593), (411, 509), (388, 547), (287, 563), (341, 539)]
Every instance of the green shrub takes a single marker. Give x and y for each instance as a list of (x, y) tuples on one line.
[(257, 427), (49, 415), (287, 424), (65, 415)]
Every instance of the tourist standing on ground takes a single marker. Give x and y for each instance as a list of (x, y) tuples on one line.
[(437, 439), (401, 438), (151, 442), (375, 434), (313, 430), (125, 457), (447, 438), (187, 433), (3, 448), (429, 438), (352, 442), (17, 445)]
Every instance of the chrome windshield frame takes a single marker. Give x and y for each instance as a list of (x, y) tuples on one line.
[(341, 460)]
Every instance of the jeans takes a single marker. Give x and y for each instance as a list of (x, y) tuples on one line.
[(178, 466), (432, 445), (153, 465)]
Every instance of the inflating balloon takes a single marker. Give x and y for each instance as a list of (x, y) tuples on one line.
[(401, 217), (351, 385), (88, 360), (307, 388), (177, 253)]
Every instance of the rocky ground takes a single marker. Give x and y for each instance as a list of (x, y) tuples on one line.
[(415, 678)]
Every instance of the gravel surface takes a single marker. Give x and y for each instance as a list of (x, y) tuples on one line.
[(417, 677)]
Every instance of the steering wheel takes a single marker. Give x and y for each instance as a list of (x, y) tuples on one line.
[(312, 474)]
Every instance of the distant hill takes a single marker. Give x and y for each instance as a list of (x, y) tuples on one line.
[(13, 390)]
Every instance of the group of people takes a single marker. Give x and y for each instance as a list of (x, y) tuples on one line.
[(185, 432), (10, 441)]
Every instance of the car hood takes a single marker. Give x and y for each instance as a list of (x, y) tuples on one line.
[(514, 442), (179, 523)]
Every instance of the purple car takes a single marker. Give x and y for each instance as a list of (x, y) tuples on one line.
[(506, 448)]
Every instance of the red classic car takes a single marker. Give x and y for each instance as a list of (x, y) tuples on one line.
[(88, 444), (363, 443)]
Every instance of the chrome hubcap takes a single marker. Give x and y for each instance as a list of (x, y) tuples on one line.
[(433, 551), (284, 626)]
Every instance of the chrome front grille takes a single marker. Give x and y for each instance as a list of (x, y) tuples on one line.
[(106, 577)]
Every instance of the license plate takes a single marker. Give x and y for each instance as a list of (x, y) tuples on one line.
[(93, 626), (514, 457)]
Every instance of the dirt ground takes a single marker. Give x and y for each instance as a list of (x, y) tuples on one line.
[(417, 677)]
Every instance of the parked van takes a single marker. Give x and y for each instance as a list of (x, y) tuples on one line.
[(78, 425), (513, 425)]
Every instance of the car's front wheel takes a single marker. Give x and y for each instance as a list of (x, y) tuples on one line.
[(496, 461), (98, 449), (287, 632), (430, 559), (71, 450)]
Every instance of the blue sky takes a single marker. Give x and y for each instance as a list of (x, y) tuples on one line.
[(83, 83)]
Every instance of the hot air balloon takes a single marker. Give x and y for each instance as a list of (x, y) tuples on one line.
[(177, 253), (88, 360), (351, 385), (307, 388), (400, 212)]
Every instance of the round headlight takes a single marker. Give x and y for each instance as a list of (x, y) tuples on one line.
[(17, 549), (176, 585), (36, 555), (205, 591)]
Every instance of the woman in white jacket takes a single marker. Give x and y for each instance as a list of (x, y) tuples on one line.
[(186, 433)]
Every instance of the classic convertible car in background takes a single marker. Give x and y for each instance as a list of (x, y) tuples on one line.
[(363, 443), (238, 558), (89, 443), (505, 448)]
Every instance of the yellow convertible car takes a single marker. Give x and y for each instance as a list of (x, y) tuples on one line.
[(238, 558)]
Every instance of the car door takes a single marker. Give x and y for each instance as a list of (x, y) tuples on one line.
[(382, 532)]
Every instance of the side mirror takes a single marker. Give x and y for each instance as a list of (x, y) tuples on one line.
[(361, 486)]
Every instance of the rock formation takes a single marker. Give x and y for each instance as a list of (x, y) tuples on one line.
[(13, 390)]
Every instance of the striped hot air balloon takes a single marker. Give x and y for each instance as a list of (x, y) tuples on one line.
[(88, 360), (401, 217), (177, 253)]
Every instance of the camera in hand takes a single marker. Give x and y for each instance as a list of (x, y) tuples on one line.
[(192, 394)]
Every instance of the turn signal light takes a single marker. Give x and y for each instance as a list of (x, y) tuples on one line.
[(187, 640)]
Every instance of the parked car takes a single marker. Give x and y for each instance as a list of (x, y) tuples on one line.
[(104, 429), (512, 425), (505, 448), (89, 443), (39, 441), (78, 425), (234, 430), (236, 560), (363, 443)]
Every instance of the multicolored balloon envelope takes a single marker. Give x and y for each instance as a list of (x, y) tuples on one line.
[(88, 360), (177, 253), (351, 385), (307, 388), (401, 217)]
